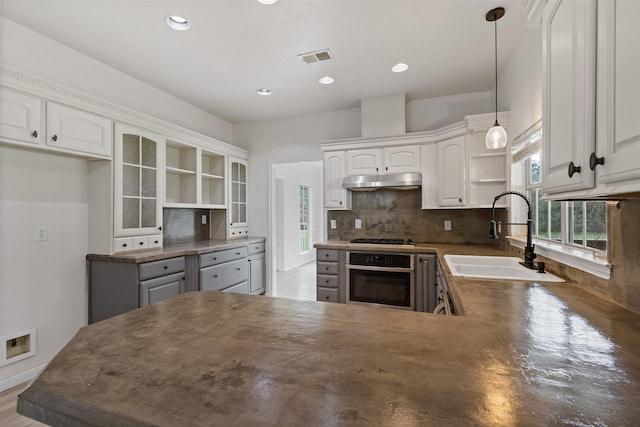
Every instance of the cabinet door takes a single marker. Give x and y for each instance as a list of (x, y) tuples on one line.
[(402, 159), (154, 290), (334, 171), (137, 183), (20, 117), (569, 54), (618, 91), (238, 191), (364, 162), (257, 273), (219, 277), (451, 172), (78, 131)]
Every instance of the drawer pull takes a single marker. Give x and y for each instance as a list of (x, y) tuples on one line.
[(165, 267), (54, 137), (238, 268), (326, 281), (142, 243), (574, 169), (326, 255), (124, 245), (34, 134), (215, 275), (326, 268), (237, 253), (156, 242), (326, 297)]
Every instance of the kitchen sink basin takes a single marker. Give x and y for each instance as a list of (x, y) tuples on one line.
[(495, 267)]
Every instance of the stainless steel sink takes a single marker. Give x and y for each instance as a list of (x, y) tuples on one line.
[(495, 267)]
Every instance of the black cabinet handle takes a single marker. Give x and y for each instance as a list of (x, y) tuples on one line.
[(34, 134), (215, 275), (156, 242), (159, 228), (141, 243), (327, 255), (124, 245), (238, 268), (326, 297), (165, 267), (595, 161), (574, 169), (340, 201), (326, 281), (376, 169), (237, 253), (386, 168), (459, 199), (54, 137)]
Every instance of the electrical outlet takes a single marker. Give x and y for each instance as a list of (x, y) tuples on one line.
[(204, 219), (41, 233), (333, 224), (447, 226), (358, 223)]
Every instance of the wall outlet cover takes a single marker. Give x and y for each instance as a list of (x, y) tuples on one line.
[(333, 224), (358, 223), (447, 226)]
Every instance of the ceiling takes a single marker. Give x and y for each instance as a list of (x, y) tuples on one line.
[(235, 47)]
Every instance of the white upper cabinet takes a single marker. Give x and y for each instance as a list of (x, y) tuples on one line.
[(137, 204), (451, 172), (618, 108), (238, 192), (569, 55), (334, 171), (20, 117), (78, 131), (372, 161)]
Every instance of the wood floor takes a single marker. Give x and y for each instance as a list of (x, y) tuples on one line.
[(298, 283), (8, 415)]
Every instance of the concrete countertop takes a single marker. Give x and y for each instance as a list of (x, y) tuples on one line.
[(175, 250), (524, 353)]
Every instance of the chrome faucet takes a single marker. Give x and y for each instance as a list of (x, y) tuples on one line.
[(529, 255)]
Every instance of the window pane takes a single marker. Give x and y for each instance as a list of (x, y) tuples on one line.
[(534, 169), (543, 218), (596, 214), (556, 221), (576, 229)]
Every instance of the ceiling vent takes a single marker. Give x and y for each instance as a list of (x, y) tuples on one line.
[(317, 56)]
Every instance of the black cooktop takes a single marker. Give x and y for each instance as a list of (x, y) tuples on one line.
[(383, 241)]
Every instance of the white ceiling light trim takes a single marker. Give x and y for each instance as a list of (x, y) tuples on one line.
[(267, 2), (178, 23), (264, 91), (326, 80), (399, 67)]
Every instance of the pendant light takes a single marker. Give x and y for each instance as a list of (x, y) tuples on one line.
[(497, 135)]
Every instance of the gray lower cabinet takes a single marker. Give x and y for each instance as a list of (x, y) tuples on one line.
[(327, 275), (224, 269), (257, 268), (118, 287), (425, 286)]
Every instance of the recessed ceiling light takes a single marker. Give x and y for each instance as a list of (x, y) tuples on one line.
[(399, 67), (177, 23), (267, 1), (326, 80), (264, 91)]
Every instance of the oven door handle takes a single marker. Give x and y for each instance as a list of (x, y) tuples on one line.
[(376, 268)]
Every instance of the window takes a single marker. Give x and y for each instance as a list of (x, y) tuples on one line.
[(581, 224), (304, 218)]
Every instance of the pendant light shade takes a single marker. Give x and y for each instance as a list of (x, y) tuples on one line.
[(497, 135)]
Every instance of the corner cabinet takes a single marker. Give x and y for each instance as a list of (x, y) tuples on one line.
[(137, 205), (569, 90), (334, 171)]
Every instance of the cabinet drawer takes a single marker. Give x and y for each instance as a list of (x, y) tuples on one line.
[(123, 244), (327, 281), (163, 267), (218, 277), (155, 241), (241, 288), (255, 248), (219, 257), (325, 294), (327, 268), (140, 242), (327, 255), (236, 233)]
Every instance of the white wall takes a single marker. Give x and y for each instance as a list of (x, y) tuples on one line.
[(42, 284), (31, 53), (293, 175), (520, 83), (434, 113)]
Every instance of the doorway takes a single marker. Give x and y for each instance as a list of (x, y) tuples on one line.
[(297, 223)]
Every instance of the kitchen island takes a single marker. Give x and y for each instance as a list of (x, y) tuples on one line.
[(522, 354)]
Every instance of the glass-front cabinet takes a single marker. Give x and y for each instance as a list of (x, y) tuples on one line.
[(137, 204), (238, 225)]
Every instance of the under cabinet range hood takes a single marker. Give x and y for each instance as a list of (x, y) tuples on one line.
[(392, 181)]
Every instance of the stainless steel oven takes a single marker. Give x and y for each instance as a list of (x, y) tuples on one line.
[(379, 278)]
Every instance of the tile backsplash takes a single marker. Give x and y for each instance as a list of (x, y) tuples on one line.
[(184, 225), (398, 214)]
